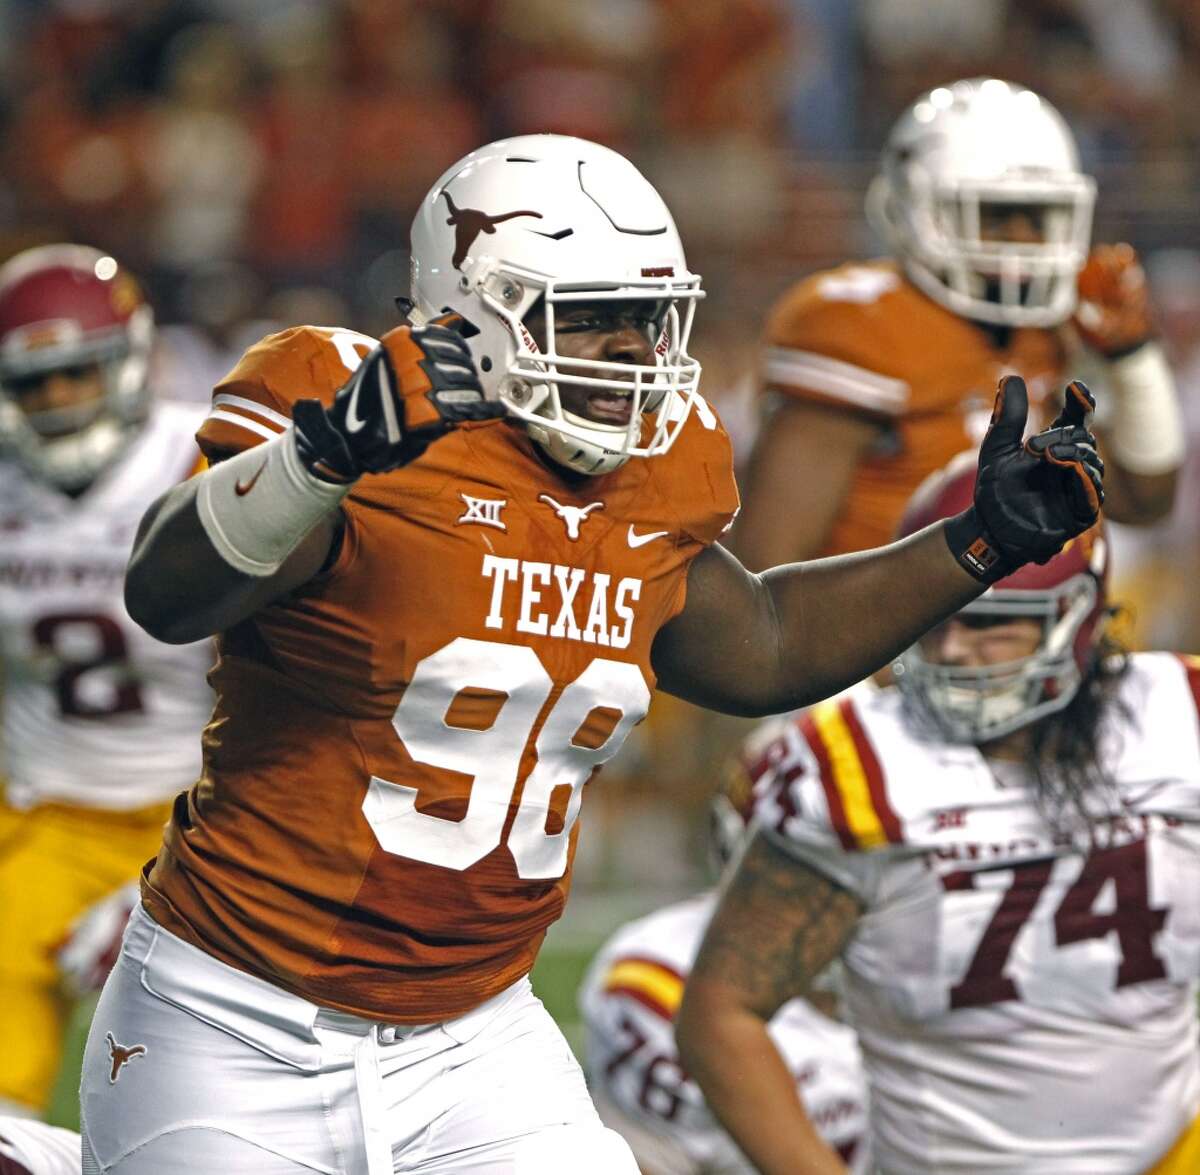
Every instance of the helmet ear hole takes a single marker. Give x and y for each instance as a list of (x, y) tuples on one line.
[(462, 324), (485, 362)]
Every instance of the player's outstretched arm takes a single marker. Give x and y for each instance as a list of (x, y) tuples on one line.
[(258, 525), (179, 588), (777, 927), (760, 644)]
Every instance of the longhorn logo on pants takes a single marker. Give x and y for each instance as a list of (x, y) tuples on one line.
[(121, 1056)]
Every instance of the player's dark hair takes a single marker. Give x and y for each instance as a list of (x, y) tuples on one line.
[(1075, 790)]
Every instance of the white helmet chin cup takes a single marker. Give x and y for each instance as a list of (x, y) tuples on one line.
[(558, 220), (582, 454), (980, 703), (75, 460), (975, 144)]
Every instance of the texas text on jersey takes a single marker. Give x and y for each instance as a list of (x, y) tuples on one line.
[(994, 964), (369, 751)]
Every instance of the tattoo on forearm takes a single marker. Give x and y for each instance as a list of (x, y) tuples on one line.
[(778, 925)]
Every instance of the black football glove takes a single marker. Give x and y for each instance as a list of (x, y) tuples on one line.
[(1029, 499), (416, 385)]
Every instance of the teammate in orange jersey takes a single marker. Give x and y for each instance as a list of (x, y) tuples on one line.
[(877, 373), (448, 569)]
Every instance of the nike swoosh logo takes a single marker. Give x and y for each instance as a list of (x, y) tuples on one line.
[(640, 540), (354, 422), (243, 488)]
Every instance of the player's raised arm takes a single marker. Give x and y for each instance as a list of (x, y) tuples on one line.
[(1142, 433), (760, 644), (214, 550)]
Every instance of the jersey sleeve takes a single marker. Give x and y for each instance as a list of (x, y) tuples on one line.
[(819, 797), (253, 403), (696, 477), (827, 341), (1191, 670), (1157, 711)]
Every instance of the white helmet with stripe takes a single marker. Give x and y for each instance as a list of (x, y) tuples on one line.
[(546, 221)]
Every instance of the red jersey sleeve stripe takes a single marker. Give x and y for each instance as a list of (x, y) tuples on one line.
[(833, 795), (1191, 669), (874, 773)]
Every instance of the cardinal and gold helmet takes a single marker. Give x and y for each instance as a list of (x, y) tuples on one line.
[(69, 312)]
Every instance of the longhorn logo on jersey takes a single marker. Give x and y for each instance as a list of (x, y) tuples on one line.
[(573, 516), (468, 223)]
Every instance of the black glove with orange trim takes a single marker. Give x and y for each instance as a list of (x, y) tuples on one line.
[(415, 386), (1030, 498)]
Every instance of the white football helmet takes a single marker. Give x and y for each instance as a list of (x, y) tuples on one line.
[(955, 155), (559, 220), (64, 307)]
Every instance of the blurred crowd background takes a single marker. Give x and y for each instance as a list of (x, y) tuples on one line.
[(257, 163)]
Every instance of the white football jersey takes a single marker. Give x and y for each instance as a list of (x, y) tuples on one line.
[(628, 1000), (95, 712), (33, 1148), (1023, 1006)]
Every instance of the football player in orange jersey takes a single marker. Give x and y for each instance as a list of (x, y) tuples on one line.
[(877, 373), (447, 570)]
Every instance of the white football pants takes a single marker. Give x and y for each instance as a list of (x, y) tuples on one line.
[(192, 1066)]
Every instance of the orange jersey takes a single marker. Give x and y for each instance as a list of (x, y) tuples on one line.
[(864, 338), (387, 813)]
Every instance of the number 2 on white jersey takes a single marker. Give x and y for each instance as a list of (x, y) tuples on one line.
[(493, 757)]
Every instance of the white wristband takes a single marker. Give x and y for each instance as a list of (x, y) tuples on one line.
[(257, 506), (1142, 424)]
